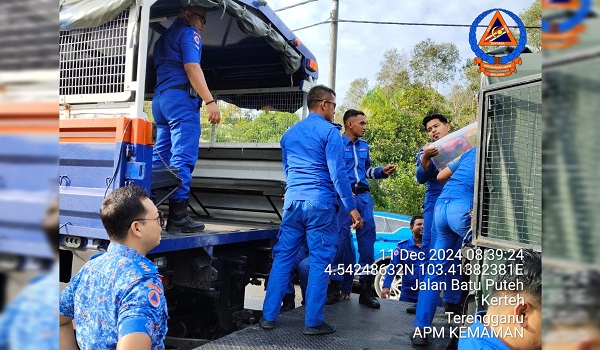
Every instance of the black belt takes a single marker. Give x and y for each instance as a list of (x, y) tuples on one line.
[(183, 86), (186, 87), (359, 190)]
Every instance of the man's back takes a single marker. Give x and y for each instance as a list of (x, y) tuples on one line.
[(305, 148), (462, 182), (113, 294)]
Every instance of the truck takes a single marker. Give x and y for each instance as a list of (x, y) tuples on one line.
[(252, 62), (256, 67)]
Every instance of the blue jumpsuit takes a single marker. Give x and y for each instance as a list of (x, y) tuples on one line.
[(452, 222), (115, 294), (177, 115), (344, 256), (486, 340), (30, 321), (313, 164), (410, 276), (434, 189), (358, 167)]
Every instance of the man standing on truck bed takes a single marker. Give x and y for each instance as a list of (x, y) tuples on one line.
[(312, 154), (176, 108), (117, 298), (437, 127), (452, 222), (357, 159)]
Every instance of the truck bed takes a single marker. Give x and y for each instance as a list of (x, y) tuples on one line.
[(358, 327), (217, 232)]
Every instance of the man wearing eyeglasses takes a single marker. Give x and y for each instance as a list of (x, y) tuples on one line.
[(176, 108), (117, 298), (313, 163)]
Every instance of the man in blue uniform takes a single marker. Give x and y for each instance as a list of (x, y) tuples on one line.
[(358, 167), (117, 298), (29, 322), (437, 127), (407, 259), (313, 164), (176, 108), (452, 222), (514, 319)]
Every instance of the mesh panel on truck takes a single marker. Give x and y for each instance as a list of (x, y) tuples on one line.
[(511, 196), (93, 61)]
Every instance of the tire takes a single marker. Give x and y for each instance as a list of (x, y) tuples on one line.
[(395, 287)]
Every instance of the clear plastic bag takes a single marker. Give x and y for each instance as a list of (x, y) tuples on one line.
[(453, 145)]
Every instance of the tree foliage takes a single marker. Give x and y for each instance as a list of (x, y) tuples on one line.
[(532, 17), (434, 63)]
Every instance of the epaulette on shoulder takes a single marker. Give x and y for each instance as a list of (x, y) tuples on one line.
[(145, 268)]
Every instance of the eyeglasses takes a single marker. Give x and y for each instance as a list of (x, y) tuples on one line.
[(202, 17), (160, 218), (333, 103)]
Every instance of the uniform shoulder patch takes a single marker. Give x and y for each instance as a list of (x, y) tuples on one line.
[(145, 268)]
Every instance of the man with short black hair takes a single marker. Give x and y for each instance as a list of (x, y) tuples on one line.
[(117, 298), (312, 155), (407, 260), (514, 319), (180, 89), (357, 158)]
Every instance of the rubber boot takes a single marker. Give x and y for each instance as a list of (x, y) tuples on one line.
[(366, 294), (179, 220)]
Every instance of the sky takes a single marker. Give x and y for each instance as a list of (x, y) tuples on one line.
[(361, 46)]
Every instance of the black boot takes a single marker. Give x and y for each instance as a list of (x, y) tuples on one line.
[(289, 303), (333, 293), (179, 220), (366, 294)]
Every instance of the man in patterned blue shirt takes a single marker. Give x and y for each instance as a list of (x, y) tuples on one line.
[(358, 167), (313, 164), (117, 297)]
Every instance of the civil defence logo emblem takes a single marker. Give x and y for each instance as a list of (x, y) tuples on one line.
[(497, 33)]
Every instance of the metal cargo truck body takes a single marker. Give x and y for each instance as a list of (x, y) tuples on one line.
[(251, 61)]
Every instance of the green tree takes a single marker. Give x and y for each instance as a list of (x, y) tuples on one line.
[(434, 63), (393, 72), (532, 17), (394, 134), (353, 99)]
